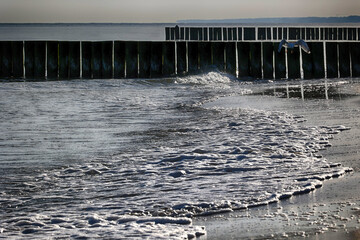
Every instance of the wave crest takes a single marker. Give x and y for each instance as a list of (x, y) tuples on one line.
[(208, 78)]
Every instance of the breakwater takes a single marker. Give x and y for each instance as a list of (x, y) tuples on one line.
[(241, 51)]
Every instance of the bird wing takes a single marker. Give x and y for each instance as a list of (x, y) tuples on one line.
[(303, 46), (282, 43)]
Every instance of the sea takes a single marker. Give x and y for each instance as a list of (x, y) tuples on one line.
[(140, 158)]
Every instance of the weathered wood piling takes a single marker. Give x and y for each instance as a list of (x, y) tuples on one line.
[(240, 51)]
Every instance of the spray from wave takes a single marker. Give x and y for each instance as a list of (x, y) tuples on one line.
[(208, 78)]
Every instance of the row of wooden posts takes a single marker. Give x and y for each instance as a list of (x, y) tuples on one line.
[(262, 33), (40, 60)]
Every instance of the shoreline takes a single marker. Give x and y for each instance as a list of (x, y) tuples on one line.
[(321, 214), (329, 212)]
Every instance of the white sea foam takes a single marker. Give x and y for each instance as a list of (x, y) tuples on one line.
[(187, 160), (208, 78)]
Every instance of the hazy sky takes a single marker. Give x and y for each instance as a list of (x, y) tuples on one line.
[(167, 10)]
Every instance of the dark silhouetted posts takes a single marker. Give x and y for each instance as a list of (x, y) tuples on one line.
[(168, 58), (230, 58), (241, 51), (181, 57), (144, 59), (204, 55), (344, 59), (294, 63), (35, 60), (355, 59), (331, 60), (280, 64), (96, 59), (106, 60), (268, 59), (39, 59), (29, 59), (74, 59), (131, 59), (64, 70), (5, 59), (255, 59), (217, 51), (193, 56), (243, 59), (52, 60), (119, 59), (17, 59), (86, 59), (156, 59), (317, 53), (308, 64)]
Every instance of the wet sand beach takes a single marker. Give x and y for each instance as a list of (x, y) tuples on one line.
[(329, 212)]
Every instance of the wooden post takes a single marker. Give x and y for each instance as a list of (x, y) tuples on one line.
[(156, 59), (181, 57), (301, 63), (355, 59), (262, 60), (307, 65), (52, 60), (193, 56), (324, 52), (273, 60), (168, 67), (294, 63), (106, 60), (230, 57), (280, 62), (204, 55), (86, 59), (17, 59), (64, 51), (286, 63), (74, 60), (217, 51), (81, 60), (39, 60), (5, 60), (317, 53), (255, 59), (268, 50), (331, 60), (144, 59), (131, 59), (29, 59), (119, 59), (96, 58), (350, 56), (113, 59), (243, 49)]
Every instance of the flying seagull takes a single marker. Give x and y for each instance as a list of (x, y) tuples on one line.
[(300, 43)]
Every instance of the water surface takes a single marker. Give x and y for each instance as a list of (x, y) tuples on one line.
[(140, 158)]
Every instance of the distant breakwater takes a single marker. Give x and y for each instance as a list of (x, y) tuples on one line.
[(241, 51)]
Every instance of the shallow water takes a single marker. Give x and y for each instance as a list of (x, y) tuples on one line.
[(140, 158)]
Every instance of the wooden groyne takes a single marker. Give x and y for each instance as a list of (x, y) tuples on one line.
[(243, 52), (274, 33)]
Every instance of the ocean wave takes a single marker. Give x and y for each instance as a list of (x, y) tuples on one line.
[(194, 161), (208, 78)]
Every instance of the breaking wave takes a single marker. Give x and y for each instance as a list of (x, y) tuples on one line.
[(186, 161)]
